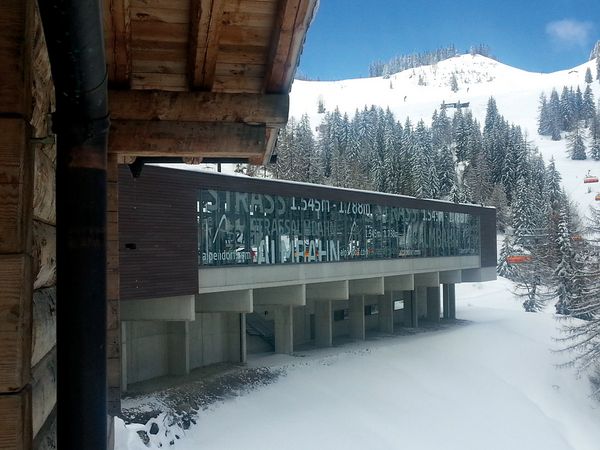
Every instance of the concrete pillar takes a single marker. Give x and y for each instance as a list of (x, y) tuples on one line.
[(421, 301), (411, 318), (451, 301), (284, 329), (445, 301), (433, 304), (242, 356), (357, 317), (385, 304), (179, 347), (124, 356), (323, 324)]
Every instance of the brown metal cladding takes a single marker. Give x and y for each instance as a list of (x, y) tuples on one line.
[(157, 215)]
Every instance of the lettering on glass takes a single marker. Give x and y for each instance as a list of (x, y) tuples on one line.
[(239, 228)]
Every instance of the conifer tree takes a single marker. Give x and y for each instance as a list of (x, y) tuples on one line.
[(555, 116), (588, 76), (544, 124), (453, 83), (503, 268), (576, 146), (446, 170), (588, 107), (564, 274)]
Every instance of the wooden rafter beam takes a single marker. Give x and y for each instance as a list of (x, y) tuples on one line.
[(117, 28), (180, 138), (272, 134), (204, 42), (289, 33), (271, 110)]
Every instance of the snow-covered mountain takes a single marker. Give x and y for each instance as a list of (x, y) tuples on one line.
[(416, 93)]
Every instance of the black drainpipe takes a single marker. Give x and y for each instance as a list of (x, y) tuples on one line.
[(73, 31)]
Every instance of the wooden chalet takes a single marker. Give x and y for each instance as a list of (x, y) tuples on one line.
[(193, 79)]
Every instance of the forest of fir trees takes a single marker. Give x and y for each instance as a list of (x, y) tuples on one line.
[(460, 160), (575, 115)]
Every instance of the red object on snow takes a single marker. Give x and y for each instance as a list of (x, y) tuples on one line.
[(518, 259), (590, 180)]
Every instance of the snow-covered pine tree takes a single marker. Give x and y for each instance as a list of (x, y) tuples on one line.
[(588, 76), (588, 107), (581, 335), (544, 124), (453, 83), (425, 178), (461, 135), (491, 116), (553, 188), (576, 146), (446, 170), (564, 274), (500, 202), (595, 137), (555, 115), (503, 268), (567, 109)]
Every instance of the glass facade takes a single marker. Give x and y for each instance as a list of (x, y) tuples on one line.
[(241, 228)]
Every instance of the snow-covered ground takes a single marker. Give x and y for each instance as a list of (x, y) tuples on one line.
[(489, 384)]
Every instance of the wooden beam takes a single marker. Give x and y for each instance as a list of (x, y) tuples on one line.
[(16, 190), (15, 322), (117, 27), (170, 138), (15, 421), (44, 255), (271, 110), (289, 34), (272, 134), (44, 323), (204, 42), (43, 390), (13, 49)]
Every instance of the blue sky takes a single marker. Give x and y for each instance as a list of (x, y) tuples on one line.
[(535, 35)]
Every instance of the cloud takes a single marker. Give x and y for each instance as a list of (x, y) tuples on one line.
[(569, 31)]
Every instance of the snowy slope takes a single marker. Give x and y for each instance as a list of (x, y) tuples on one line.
[(490, 384), (516, 92)]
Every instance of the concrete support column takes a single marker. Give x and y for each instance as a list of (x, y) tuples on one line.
[(445, 301), (123, 356), (284, 329), (411, 318), (244, 351), (323, 324), (433, 304), (357, 317), (179, 347), (421, 301), (451, 301), (385, 304)]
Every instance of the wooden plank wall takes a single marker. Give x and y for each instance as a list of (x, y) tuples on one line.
[(27, 230), (43, 359), (16, 192)]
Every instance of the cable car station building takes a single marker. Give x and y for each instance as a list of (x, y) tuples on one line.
[(215, 266)]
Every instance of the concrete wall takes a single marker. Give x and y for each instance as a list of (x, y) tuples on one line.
[(301, 325), (147, 350), (214, 338)]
